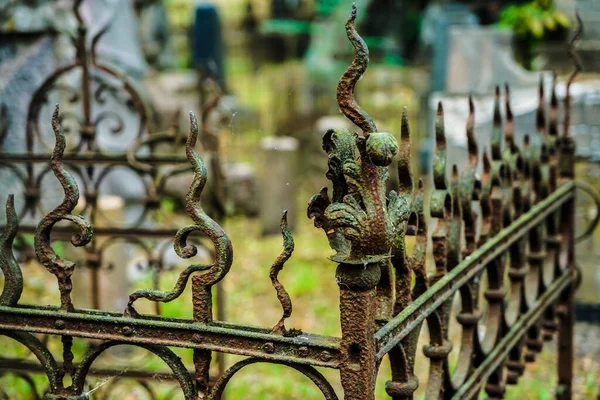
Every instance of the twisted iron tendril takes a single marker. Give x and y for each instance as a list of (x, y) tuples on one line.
[(282, 294), (347, 83), (204, 224), (62, 269), (13, 278)]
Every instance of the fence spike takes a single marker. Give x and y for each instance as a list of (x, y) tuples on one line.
[(347, 83)]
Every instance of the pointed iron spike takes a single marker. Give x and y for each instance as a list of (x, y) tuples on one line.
[(353, 12), (347, 83), (509, 114), (440, 133), (454, 171), (497, 115), (487, 164), (526, 139), (471, 140), (420, 185), (405, 128), (193, 134), (540, 121)]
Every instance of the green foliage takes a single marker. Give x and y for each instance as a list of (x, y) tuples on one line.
[(535, 19)]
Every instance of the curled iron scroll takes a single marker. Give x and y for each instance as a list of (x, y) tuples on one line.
[(62, 269), (306, 370), (204, 224)]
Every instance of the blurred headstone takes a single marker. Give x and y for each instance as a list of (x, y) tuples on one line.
[(242, 189), (207, 44), (154, 34), (479, 58), (435, 32), (278, 181)]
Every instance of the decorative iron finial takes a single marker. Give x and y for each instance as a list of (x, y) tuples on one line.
[(211, 274), (360, 220), (282, 294), (13, 278), (347, 83), (62, 269)]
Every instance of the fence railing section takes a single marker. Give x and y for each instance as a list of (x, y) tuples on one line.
[(521, 239)]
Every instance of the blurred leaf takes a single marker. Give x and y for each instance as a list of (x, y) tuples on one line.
[(562, 19)]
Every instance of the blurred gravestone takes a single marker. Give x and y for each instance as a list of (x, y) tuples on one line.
[(479, 58), (207, 43), (437, 22), (277, 181)]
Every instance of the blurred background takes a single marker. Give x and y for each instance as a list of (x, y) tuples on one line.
[(274, 65)]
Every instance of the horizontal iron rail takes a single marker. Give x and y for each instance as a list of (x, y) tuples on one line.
[(322, 351), (470, 388), (94, 158), (400, 326), (125, 232)]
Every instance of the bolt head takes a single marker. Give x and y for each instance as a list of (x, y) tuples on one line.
[(269, 348), (303, 351)]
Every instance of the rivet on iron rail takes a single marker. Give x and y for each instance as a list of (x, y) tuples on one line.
[(303, 351), (197, 338), (326, 356), (127, 331), (269, 348), (59, 324)]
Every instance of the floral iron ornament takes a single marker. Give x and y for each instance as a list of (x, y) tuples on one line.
[(359, 221)]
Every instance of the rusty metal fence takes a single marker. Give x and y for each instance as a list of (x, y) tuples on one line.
[(522, 238)]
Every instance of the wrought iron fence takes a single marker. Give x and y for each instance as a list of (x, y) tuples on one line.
[(522, 239)]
